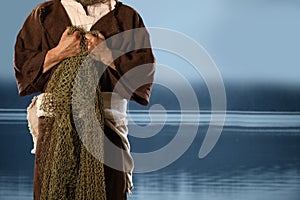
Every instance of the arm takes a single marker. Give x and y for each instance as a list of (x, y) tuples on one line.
[(29, 56), (125, 53), (34, 59), (137, 63)]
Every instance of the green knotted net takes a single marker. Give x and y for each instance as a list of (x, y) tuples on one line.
[(69, 170)]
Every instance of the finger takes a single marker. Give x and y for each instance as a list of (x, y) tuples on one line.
[(89, 44), (78, 50), (90, 47), (66, 32), (77, 35), (89, 36), (101, 36), (78, 45)]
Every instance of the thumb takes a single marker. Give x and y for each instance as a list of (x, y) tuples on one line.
[(66, 32)]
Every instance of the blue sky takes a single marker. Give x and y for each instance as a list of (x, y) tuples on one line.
[(252, 40)]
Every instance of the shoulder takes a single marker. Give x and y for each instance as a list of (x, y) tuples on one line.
[(37, 16), (45, 7), (46, 4), (41, 11), (129, 15), (127, 10)]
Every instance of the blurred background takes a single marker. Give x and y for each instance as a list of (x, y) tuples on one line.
[(255, 45)]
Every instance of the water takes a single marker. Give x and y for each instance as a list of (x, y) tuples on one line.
[(249, 162)]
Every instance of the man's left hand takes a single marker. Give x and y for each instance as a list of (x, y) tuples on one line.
[(97, 46)]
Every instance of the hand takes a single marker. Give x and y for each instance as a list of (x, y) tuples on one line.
[(97, 46), (68, 46), (94, 41)]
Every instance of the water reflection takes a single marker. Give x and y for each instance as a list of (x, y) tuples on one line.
[(250, 184), (186, 185), (14, 187), (244, 165)]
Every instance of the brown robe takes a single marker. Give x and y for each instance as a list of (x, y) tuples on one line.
[(42, 31)]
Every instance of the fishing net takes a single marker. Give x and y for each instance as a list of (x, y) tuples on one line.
[(69, 170)]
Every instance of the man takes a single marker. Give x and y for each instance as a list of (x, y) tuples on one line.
[(44, 42)]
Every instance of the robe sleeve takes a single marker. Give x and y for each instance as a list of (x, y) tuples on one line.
[(137, 53), (29, 56)]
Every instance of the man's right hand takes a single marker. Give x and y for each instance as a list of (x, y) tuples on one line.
[(68, 46)]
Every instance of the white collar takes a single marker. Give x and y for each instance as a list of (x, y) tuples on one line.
[(86, 19)]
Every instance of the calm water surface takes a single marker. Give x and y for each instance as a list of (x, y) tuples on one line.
[(246, 164)]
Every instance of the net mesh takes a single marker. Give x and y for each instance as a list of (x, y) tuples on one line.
[(70, 171)]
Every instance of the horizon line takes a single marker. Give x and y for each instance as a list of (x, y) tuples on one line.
[(246, 119)]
